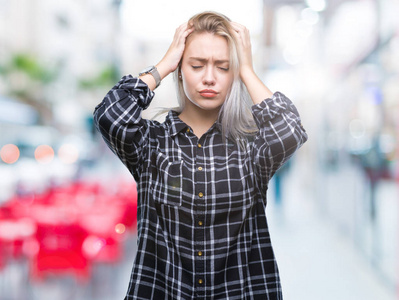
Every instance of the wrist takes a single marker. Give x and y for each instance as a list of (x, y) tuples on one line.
[(151, 72), (247, 73), (164, 69)]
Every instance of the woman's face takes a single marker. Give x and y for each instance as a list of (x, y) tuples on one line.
[(205, 69)]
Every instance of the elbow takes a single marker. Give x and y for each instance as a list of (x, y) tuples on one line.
[(287, 146), (101, 122)]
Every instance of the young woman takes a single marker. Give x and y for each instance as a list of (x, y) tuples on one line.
[(202, 175)]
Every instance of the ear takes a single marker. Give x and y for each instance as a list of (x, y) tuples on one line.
[(179, 71)]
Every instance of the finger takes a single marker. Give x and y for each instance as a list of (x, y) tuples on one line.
[(238, 27), (181, 29), (241, 32), (189, 29), (180, 34), (183, 26), (184, 34)]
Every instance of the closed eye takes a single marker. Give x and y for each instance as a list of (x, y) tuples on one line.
[(196, 67), (224, 69)]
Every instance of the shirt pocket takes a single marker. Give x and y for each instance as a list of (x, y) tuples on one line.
[(166, 179)]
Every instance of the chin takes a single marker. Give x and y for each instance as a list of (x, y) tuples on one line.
[(210, 107), (209, 104)]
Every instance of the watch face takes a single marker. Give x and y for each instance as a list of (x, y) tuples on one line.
[(147, 70)]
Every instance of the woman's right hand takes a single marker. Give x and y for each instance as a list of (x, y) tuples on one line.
[(170, 61)]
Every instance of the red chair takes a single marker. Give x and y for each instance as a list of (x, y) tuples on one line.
[(60, 252)]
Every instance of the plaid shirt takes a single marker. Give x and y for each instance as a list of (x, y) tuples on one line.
[(202, 229)]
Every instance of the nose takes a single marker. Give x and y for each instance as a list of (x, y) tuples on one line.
[(209, 76)]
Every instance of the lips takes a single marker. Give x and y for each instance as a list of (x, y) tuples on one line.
[(208, 93)]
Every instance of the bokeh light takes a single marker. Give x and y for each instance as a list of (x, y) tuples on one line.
[(92, 245), (120, 228), (44, 154), (68, 153), (9, 153)]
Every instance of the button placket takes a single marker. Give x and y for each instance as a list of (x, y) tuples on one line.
[(200, 204)]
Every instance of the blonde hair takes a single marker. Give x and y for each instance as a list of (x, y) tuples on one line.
[(235, 114)]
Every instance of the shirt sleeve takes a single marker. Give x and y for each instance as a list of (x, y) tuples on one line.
[(118, 119), (280, 135)]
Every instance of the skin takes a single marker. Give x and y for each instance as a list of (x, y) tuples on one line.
[(200, 112), (206, 77)]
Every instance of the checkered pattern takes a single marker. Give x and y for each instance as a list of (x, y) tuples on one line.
[(202, 229)]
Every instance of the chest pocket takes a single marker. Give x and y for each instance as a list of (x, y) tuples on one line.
[(166, 179)]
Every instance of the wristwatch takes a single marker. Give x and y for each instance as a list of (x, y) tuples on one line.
[(154, 72)]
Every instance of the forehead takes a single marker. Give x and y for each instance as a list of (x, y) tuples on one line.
[(208, 46)]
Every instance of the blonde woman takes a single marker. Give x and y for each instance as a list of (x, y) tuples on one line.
[(202, 175)]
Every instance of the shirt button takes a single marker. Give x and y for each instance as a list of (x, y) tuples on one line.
[(201, 195), (199, 145), (199, 168), (200, 281), (199, 253), (200, 223)]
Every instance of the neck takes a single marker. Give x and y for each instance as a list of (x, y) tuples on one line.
[(198, 119)]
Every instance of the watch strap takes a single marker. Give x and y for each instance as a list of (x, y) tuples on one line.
[(154, 72)]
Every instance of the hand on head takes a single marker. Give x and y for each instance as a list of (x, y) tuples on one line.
[(175, 52), (244, 49)]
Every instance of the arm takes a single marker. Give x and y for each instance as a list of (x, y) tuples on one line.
[(118, 119), (118, 116), (280, 129), (256, 88), (280, 135)]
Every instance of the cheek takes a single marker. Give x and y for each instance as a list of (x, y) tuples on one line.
[(187, 88), (189, 82)]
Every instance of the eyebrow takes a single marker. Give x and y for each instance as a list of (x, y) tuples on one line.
[(203, 60)]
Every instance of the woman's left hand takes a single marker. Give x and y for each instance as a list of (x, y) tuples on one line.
[(256, 88), (244, 48)]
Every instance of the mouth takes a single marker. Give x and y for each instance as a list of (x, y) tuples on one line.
[(208, 93)]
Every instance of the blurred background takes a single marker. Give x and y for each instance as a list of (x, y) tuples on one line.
[(67, 205)]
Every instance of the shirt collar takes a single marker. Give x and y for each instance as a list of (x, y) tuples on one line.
[(176, 125)]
